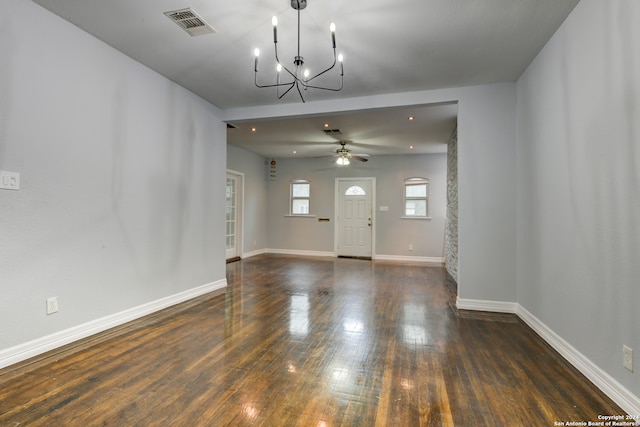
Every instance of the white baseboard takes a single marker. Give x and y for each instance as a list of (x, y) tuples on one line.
[(300, 252), (254, 253), (605, 382), (624, 398), (39, 346), (420, 259), (482, 305), (424, 260)]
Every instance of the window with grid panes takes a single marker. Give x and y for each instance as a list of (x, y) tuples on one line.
[(300, 197), (416, 197)]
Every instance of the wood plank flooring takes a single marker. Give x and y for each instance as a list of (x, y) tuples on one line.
[(297, 341)]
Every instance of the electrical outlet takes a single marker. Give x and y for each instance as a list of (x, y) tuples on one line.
[(52, 305), (627, 357)]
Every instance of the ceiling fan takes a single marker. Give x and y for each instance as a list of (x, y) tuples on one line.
[(344, 155)]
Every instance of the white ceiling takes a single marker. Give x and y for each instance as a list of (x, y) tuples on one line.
[(389, 47), (374, 132)]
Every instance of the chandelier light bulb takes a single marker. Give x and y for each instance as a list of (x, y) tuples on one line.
[(274, 21), (306, 73), (340, 58), (332, 28), (257, 54), (278, 68)]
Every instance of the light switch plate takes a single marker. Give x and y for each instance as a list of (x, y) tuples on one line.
[(9, 180), (627, 359)]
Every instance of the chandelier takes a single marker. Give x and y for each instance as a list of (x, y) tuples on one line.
[(298, 77)]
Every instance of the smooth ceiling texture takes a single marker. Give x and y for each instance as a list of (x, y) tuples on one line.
[(388, 46)]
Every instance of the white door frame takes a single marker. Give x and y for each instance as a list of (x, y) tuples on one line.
[(239, 211), (337, 212)]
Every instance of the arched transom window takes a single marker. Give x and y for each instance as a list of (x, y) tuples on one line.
[(355, 190)]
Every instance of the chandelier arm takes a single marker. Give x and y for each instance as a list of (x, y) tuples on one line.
[(289, 71), (277, 85), (338, 89), (271, 85), (286, 91), (275, 45), (300, 93), (278, 61), (322, 72), (324, 87)]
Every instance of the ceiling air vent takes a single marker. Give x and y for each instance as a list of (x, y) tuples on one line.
[(189, 21), (332, 131)]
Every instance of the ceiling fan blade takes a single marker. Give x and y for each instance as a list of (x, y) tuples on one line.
[(361, 159)]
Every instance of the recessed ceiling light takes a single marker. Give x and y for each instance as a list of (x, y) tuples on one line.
[(253, 129), (411, 147), (295, 152), (411, 118), (326, 125)]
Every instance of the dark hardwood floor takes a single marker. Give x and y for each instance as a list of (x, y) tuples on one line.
[(299, 341)]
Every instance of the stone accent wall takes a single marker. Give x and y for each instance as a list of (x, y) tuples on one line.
[(451, 228)]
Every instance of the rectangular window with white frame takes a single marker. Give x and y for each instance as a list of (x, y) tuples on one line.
[(416, 197), (300, 197)]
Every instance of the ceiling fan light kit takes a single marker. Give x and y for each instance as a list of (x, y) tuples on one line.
[(342, 161), (299, 77), (344, 155)]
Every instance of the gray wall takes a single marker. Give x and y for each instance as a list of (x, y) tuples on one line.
[(393, 234), (122, 180), (486, 164), (578, 184), (486, 193), (255, 197)]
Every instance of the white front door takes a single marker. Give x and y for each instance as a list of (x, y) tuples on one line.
[(232, 210), (354, 217)]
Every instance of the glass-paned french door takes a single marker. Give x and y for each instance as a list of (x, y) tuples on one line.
[(231, 211)]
